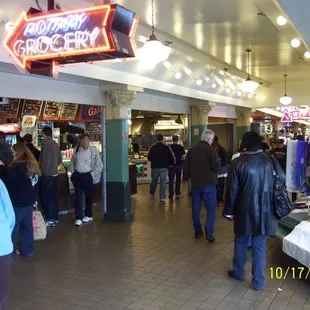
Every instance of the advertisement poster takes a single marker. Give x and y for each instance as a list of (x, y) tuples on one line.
[(301, 163), (291, 166)]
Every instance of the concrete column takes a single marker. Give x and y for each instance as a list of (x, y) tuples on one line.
[(118, 104), (243, 123), (200, 110)]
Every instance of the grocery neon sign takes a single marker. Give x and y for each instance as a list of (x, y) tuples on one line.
[(97, 33)]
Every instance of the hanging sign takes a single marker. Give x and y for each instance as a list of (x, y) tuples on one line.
[(94, 34), (89, 113), (291, 116), (268, 128)]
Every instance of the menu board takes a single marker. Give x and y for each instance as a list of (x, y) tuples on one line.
[(32, 107), (52, 111), (11, 109), (68, 111), (94, 130)]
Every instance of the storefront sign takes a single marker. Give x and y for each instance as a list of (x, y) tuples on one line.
[(10, 128), (52, 111), (291, 116), (11, 109), (93, 34), (89, 113), (168, 124)]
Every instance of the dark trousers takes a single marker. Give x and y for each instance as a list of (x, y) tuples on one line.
[(258, 258), (83, 183), (5, 275), (208, 195), (220, 189), (24, 226), (48, 195), (175, 174)]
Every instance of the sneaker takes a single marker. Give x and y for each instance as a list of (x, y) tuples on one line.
[(210, 238), (56, 221), (78, 223), (50, 224), (198, 235), (177, 196), (87, 219)]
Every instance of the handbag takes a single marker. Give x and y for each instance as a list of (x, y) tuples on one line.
[(39, 226), (282, 203)]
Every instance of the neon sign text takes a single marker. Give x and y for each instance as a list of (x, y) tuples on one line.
[(45, 27), (57, 43)]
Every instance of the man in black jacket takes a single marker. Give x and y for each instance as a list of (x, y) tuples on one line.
[(250, 204), (161, 157), (28, 141), (202, 166)]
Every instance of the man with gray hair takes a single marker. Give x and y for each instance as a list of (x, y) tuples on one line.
[(202, 165)]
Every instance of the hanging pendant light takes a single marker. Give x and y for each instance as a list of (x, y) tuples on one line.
[(249, 86), (153, 51), (285, 100)]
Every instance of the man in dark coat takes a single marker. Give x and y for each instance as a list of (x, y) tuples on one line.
[(250, 204), (28, 141)]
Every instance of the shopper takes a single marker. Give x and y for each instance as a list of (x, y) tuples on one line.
[(50, 159), (7, 222), (201, 165), (223, 170), (28, 141), (161, 157), (6, 155), (86, 168), (250, 203), (273, 147), (280, 153), (20, 178), (175, 171)]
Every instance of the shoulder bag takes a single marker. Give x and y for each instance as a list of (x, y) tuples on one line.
[(282, 203)]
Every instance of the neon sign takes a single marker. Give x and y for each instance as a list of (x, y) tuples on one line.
[(94, 34), (295, 115)]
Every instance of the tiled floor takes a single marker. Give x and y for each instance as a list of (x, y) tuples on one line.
[(152, 263)]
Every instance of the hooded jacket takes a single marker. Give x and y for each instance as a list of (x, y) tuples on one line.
[(249, 194)]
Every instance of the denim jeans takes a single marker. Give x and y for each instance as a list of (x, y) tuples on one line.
[(83, 183), (175, 174), (208, 195), (258, 258), (5, 272), (49, 197), (159, 173), (220, 189), (24, 226)]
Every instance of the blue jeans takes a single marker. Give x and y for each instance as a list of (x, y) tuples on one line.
[(208, 195), (258, 258), (49, 197), (23, 224), (175, 174), (159, 173)]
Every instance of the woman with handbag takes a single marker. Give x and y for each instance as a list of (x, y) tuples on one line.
[(20, 178), (250, 203), (7, 222)]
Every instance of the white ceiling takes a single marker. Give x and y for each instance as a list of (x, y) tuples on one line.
[(222, 29)]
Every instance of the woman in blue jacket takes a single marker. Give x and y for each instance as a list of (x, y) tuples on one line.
[(7, 222)]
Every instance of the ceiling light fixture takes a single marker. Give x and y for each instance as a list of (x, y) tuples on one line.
[(295, 43), (281, 20), (250, 95), (285, 100), (228, 90), (153, 50), (199, 82), (178, 75), (239, 93), (307, 55), (249, 85), (188, 71), (179, 120), (213, 85)]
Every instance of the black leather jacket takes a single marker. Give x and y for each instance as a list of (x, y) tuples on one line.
[(249, 194)]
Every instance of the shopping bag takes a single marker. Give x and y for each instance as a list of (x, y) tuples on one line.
[(39, 226)]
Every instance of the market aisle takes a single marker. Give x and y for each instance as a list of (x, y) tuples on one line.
[(152, 263)]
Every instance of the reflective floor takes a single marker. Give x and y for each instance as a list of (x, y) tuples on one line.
[(152, 263)]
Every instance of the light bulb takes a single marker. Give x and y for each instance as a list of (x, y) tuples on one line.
[(213, 85), (207, 79), (239, 93), (188, 71), (278, 108), (281, 21), (286, 100), (307, 55), (250, 95), (199, 82), (129, 122), (295, 43), (167, 64), (228, 90), (178, 75)]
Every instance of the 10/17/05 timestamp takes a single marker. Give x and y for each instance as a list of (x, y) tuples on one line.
[(281, 273)]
